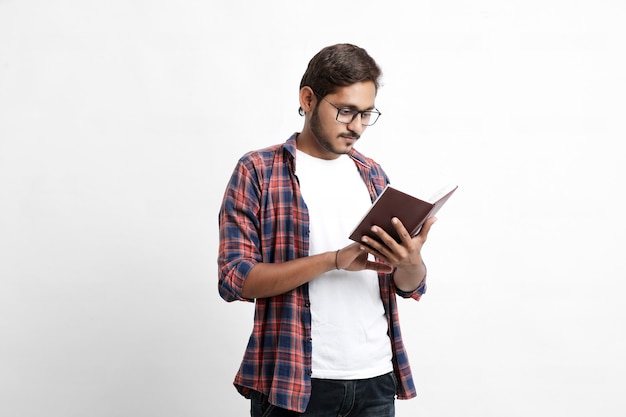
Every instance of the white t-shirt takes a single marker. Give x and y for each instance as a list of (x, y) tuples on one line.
[(349, 326)]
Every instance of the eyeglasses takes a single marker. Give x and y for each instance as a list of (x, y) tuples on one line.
[(347, 115)]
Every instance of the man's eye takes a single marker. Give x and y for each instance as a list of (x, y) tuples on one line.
[(346, 112)]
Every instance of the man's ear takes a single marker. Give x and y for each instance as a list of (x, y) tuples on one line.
[(307, 99)]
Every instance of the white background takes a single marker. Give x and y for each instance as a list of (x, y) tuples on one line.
[(120, 123)]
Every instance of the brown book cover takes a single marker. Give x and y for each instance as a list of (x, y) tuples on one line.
[(411, 211)]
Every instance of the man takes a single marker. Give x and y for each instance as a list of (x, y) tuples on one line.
[(326, 339)]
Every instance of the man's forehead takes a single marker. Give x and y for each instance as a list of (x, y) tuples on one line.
[(359, 94)]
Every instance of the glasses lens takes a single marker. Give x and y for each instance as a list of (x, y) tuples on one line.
[(368, 118), (346, 115)]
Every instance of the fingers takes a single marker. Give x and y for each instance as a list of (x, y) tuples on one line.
[(392, 252), (387, 242), (374, 247), (426, 227), (405, 237)]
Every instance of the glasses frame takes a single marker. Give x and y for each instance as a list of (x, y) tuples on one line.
[(373, 111)]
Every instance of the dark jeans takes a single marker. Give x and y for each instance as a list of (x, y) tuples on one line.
[(374, 397)]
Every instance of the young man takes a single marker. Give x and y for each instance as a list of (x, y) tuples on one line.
[(326, 339)]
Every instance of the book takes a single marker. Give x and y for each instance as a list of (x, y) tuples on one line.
[(411, 211)]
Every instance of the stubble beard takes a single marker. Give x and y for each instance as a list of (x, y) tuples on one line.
[(322, 139)]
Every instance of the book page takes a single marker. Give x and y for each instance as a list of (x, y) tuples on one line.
[(441, 192)]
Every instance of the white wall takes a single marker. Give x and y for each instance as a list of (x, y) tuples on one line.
[(120, 122)]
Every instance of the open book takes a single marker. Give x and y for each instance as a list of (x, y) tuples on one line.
[(411, 211)]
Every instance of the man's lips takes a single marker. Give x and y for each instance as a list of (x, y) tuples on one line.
[(351, 138)]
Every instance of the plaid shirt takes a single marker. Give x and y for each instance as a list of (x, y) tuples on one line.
[(263, 218)]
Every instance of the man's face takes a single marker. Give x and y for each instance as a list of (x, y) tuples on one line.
[(335, 138)]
